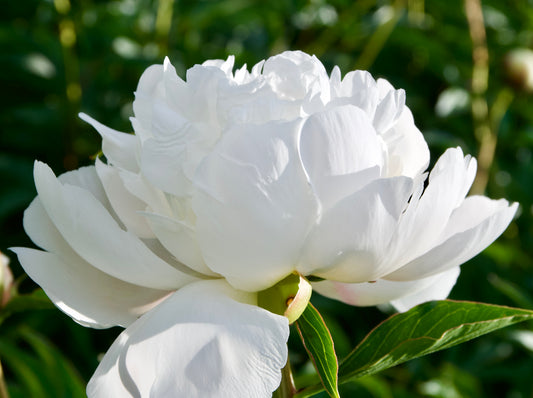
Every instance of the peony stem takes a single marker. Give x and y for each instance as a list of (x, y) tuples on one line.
[(483, 130), (3, 387), (286, 389)]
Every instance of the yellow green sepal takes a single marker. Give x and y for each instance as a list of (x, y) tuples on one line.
[(288, 297)]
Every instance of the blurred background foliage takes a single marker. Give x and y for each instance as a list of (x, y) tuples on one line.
[(61, 57)]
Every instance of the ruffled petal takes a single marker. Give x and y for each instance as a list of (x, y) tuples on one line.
[(90, 296), (254, 205), (90, 230), (204, 341), (403, 295), (297, 75)]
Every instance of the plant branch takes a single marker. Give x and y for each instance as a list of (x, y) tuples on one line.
[(483, 130)]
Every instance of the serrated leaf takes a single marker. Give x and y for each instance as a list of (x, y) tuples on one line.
[(319, 345), (424, 329)]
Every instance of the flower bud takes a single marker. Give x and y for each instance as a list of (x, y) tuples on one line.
[(518, 65), (6, 280)]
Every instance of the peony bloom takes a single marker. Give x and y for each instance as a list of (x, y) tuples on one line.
[(231, 183)]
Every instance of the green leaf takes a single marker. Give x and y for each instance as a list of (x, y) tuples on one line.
[(38, 367), (36, 300), (319, 345), (424, 329)]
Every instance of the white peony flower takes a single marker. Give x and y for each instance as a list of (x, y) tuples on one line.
[(231, 183)]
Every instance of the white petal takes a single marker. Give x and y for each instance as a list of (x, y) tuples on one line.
[(201, 342), (180, 240), (360, 89), (464, 245), (119, 148), (297, 75), (426, 217), (389, 108), (402, 295), (438, 289), (408, 151), (125, 205), (91, 297), (254, 205), (350, 243), (338, 142), (83, 292), (90, 230)]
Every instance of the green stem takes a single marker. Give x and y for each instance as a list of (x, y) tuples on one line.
[(377, 41), (3, 386), (286, 389)]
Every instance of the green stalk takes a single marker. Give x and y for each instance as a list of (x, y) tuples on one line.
[(3, 386), (286, 389)]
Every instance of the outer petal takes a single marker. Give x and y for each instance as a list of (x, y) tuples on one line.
[(426, 217), (90, 230), (438, 289), (403, 295), (90, 296), (350, 243), (201, 342), (119, 148), (254, 205), (477, 224)]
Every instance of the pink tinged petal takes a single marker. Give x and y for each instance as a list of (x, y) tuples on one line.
[(180, 240), (339, 142), (124, 203), (350, 243), (427, 216), (203, 341), (119, 148), (478, 224), (403, 295), (254, 205), (83, 292), (438, 289), (91, 231)]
